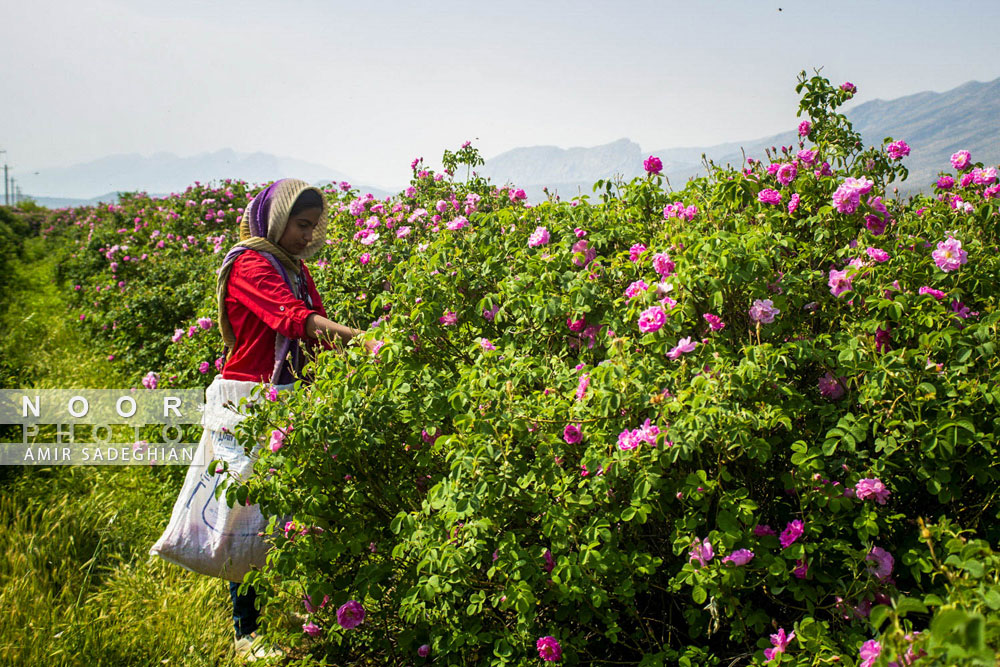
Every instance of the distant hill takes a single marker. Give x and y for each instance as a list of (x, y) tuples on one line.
[(64, 202), (165, 172), (112, 197), (550, 164), (935, 125)]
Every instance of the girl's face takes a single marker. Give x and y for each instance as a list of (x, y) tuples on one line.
[(299, 231)]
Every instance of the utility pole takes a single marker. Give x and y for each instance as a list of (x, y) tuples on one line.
[(13, 192), (6, 195)]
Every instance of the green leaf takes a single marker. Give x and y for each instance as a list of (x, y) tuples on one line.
[(932, 600), (975, 637), (947, 620), (878, 616), (727, 523), (975, 568), (906, 605), (992, 599)]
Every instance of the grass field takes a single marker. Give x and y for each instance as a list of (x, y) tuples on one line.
[(76, 583)]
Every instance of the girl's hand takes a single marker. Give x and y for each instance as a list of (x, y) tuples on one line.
[(373, 345)]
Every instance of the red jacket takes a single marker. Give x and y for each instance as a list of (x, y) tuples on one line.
[(258, 303)]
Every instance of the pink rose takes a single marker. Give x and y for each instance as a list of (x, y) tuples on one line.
[(871, 487), (549, 649), (869, 653), (539, 237), (763, 311), (791, 533), (684, 345), (714, 322), (961, 160), (277, 440), (150, 380), (572, 434), (350, 615), (779, 642), (769, 196), (652, 319), (739, 558), (663, 265), (839, 282), (787, 173), (830, 387), (701, 552), (949, 255), (897, 150)]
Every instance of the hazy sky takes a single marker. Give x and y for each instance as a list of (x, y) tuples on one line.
[(365, 87)]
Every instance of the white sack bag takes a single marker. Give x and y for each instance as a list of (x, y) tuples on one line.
[(205, 535)]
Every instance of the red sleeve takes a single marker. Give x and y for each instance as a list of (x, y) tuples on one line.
[(317, 306), (255, 284)]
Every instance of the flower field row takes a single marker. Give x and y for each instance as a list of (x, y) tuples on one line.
[(754, 420)]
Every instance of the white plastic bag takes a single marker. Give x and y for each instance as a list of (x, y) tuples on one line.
[(205, 535)]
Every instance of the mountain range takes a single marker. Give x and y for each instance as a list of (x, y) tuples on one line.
[(161, 173), (935, 125)]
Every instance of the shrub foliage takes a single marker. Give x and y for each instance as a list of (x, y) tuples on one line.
[(640, 427)]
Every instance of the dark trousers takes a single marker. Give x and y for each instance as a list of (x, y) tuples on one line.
[(245, 614)]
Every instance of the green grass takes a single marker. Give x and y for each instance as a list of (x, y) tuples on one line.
[(43, 346), (77, 585)]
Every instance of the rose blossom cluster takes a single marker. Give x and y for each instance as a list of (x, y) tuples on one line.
[(680, 211), (873, 488), (631, 439), (847, 197), (538, 238), (635, 289), (897, 150)]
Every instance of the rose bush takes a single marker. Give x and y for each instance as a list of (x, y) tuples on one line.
[(753, 421)]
